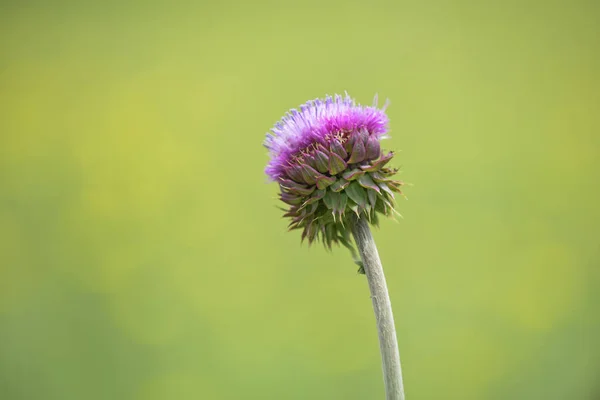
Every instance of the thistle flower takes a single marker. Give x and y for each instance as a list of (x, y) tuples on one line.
[(332, 175), (328, 163)]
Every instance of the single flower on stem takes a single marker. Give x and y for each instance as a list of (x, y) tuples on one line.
[(333, 177)]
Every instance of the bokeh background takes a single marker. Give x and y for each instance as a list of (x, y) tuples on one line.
[(142, 255)]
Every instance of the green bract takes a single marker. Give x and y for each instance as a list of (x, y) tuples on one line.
[(324, 187)]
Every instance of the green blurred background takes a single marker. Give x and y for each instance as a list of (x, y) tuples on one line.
[(142, 255)]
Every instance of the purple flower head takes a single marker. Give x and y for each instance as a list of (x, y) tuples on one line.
[(320, 122), (329, 165)]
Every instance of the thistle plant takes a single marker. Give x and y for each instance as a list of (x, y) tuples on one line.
[(335, 180)]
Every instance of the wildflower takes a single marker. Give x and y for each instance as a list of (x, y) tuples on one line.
[(332, 175)]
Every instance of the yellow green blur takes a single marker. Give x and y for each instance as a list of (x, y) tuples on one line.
[(142, 255)]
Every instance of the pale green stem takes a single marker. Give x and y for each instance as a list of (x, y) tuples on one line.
[(388, 344)]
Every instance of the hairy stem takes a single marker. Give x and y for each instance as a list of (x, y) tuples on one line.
[(388, 344)]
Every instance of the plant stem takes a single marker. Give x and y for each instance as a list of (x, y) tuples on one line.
[(388, 344)]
